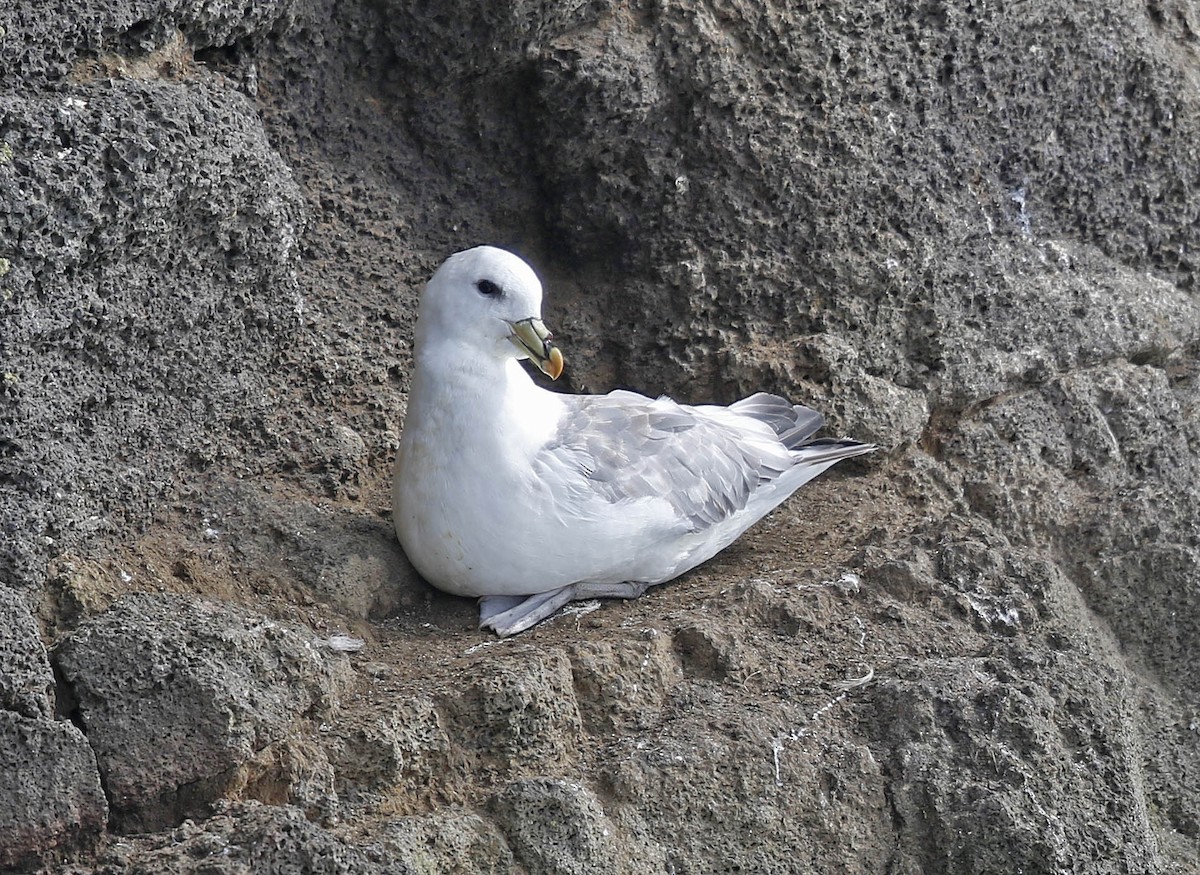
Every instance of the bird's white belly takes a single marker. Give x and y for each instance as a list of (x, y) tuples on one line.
[(510, 537), (445, 534)]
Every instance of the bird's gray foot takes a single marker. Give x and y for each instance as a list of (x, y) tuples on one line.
[(508, 615), (493, 605), (609, 590), (529, 611)]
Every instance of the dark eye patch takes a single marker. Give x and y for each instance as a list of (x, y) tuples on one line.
[(489, 288)]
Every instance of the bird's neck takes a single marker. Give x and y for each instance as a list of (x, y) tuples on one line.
[(472, 401)]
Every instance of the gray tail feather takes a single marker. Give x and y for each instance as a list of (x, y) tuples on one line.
[(831, 450)]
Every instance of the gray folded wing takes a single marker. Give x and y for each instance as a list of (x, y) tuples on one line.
[(624, 447)]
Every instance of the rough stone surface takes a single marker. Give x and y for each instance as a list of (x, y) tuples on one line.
[(180, 698), (449, 841), (244, 839), (170, 230), (558, 827), (966, 232), (26, 682), (53, 806)]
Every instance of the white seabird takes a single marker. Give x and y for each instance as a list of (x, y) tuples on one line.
[(529, 499)]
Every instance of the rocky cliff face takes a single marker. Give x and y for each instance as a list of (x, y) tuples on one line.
[(967, 233)]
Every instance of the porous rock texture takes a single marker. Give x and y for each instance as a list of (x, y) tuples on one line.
[(967, 232)]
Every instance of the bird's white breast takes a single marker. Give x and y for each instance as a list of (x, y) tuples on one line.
[(463, 489)]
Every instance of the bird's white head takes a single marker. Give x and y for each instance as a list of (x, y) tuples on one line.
[(490, 301)]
